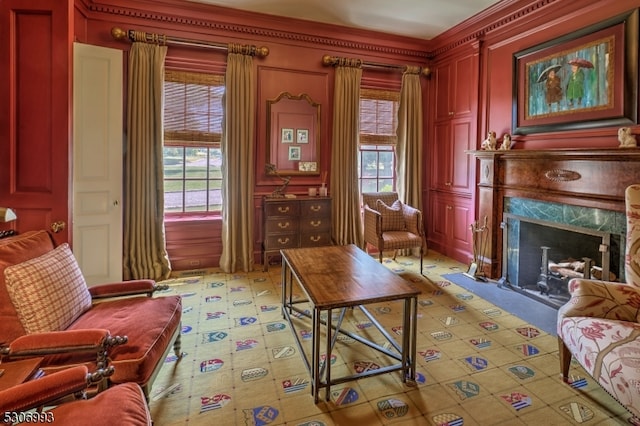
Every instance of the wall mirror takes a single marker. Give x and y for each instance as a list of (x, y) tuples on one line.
[(293, 135)]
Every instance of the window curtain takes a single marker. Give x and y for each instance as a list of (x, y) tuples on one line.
[(409, 141), (346, 215), (145, 254), (237, 162)]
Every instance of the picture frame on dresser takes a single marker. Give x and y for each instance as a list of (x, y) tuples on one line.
[(585, 79)]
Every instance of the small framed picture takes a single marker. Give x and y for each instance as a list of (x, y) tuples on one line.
[(294, 153), (307, 166), (303, 136), (287, 135)]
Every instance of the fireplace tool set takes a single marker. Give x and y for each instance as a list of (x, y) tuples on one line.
[(480, 240)]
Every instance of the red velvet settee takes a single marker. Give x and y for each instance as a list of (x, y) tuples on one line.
[(35, 280)]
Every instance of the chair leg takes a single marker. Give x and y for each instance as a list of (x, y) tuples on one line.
[(380, 255), (421, 255), (177, 347), (565, 359)]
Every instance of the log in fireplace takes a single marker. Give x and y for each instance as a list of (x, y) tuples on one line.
[(571, 201)]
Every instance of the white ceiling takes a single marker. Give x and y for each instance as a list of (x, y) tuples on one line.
[(423, 19)]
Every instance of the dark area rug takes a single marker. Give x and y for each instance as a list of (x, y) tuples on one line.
[(518, 304)]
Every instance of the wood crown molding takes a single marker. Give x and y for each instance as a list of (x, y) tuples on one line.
[(202, 21)]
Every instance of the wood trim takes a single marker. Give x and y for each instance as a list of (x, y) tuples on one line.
[(595, 178)]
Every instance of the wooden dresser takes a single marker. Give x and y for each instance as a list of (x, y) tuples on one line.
[(294, 222)]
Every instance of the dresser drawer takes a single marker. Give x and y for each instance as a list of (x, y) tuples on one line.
[(289, 208), (315, 224), (281, 225), (318, 207), (281, 241), (294, 222), (313, 239)]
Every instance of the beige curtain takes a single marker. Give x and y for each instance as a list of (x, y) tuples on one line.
[(145, 254), (409, 142), (238, 161), (346, 215)]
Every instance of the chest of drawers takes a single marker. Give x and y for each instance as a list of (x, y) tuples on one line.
[(294, 222)]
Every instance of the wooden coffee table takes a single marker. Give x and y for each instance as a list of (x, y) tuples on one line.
[(341, 277)]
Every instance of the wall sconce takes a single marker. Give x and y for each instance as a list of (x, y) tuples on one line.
[(7, 215)]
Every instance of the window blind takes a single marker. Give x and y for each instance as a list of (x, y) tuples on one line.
[(378, 116), (193, 108)]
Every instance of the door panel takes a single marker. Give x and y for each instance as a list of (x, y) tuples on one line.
[(97, 160), (35, 91)]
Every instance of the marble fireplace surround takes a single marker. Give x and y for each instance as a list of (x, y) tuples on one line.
[(578, 190)]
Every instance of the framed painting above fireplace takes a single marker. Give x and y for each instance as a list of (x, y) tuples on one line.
[(585, 79)]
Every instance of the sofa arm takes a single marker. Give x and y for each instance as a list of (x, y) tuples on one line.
[(47, 389), (125, 288), (57, 342), (412, 219), (601, 299)]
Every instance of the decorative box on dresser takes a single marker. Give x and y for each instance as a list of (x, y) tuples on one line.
[(294, 222)]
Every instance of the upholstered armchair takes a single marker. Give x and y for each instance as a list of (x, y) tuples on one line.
[(599, 325), (63, 393), (45, 306), (390, 224)]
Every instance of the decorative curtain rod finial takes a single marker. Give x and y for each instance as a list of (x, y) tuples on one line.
[(328, 60), (119, 34), (262, 52)]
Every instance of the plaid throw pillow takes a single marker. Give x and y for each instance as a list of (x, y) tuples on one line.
[(392, 217), (49, 291)]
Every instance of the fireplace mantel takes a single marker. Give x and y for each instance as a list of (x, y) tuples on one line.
[(595, 178)]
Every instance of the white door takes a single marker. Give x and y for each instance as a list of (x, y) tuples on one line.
[(97, 162)]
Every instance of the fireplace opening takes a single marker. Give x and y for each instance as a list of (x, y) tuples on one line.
[(543, 256), (551, 256)]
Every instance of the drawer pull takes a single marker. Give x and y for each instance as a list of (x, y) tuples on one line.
[(315, 239), (283, 240), (316, 208), (283, 209), (315, 223), (284, 225)]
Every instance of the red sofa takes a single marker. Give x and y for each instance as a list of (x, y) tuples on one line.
[(151, 324)]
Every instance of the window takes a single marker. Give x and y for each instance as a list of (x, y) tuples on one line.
[(192, 157), (378, 123)]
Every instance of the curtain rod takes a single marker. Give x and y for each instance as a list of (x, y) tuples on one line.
[(134, 35), (329, 60)]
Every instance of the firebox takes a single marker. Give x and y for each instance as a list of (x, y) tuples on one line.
[(547, 244)]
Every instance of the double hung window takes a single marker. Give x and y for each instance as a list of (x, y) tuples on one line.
[(378, 123), (193, 113)]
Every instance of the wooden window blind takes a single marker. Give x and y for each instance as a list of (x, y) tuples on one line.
[(193, 108), (378, 116)]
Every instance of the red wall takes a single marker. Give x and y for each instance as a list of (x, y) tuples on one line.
[(294, 65)]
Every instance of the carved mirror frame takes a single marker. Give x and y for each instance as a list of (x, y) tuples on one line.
[(293, 135)]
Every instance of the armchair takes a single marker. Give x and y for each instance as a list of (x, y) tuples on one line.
[(390, 224), (599, 327), (64, 391), (45, 304)]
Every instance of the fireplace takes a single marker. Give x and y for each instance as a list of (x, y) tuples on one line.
[(554, 207), (546, 244)]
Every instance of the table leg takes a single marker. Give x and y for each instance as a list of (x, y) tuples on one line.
[(327, 359), (406, 333), (283, 274), (414, 336), (315, 357)]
